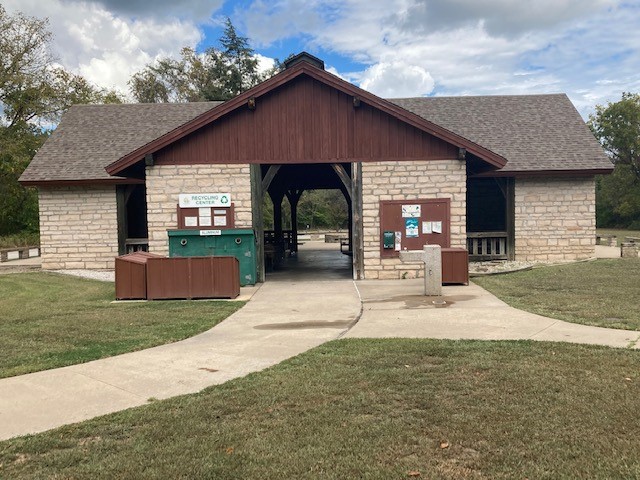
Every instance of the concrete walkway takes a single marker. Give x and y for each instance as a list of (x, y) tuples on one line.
[(397, 309), (282, 319)]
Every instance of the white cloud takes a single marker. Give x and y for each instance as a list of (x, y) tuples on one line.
[(269, 21), (191, 9), (265, 63), (333, 71), (471, 47), (587, 48), (102, 46), (396, 79), (498, 17)]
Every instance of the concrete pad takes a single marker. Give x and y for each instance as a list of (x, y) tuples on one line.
[(603, 251), (20, 266), (282, 319), (396, 308)]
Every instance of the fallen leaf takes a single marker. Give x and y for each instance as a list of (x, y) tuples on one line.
[(414, 473), (444, 444), (229, 450)]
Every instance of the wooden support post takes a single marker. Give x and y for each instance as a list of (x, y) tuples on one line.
[(356, 209), (258, 218), (277, 216), (121, 216), (294, 196), (347, 197), (276, 199), (510, 222)]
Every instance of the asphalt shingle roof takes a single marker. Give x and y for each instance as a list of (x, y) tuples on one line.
[(533, 132), (90, 137)]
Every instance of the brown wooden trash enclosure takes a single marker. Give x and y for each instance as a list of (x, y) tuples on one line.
[(143, 275)]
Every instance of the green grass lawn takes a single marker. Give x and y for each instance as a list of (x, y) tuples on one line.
[(621, 234), (604, 293), (50, 320), (374, 409)]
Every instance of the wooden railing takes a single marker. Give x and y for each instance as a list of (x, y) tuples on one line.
[(132, 245), (18, 253), (287, 238), (487, 245)]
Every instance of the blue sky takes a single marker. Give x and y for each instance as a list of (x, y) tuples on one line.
[(589, 49), (282, 47)]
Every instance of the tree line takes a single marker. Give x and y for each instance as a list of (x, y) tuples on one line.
[(35, 91), (617, 126)]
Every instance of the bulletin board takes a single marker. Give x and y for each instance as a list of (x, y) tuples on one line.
[(414, 223), (209, 218)]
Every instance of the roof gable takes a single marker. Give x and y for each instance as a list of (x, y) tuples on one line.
[(305, 121), (289, 75)]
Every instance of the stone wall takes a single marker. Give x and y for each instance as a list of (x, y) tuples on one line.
[(409, 181), (166, 182), (78, 227), (555, 219)]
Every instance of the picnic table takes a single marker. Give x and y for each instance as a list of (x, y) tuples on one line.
[(611, 240)]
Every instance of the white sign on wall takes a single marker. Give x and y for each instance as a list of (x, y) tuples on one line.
[(193, 200), (208, 233), (410, 211)]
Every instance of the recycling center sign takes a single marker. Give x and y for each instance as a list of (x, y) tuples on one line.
[(194, 200)]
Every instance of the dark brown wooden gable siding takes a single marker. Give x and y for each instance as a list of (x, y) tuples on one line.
[(305, 121)]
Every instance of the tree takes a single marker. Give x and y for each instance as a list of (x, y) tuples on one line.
[(32, 87), (18, 205), (217, 74), (617, 127), (323, 209), (34, 92)]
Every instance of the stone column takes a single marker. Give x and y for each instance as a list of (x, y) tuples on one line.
[(629, 250), (432, 270)]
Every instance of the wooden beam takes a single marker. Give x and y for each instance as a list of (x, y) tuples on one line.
[(501, 185), (510, 219), (128, 192), (258, 218), (294, 196), (344, 177), (347, 197), (356, 209), (269, 176), (121, 216)]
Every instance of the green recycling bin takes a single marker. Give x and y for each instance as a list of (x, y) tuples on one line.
[(236, 242)]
